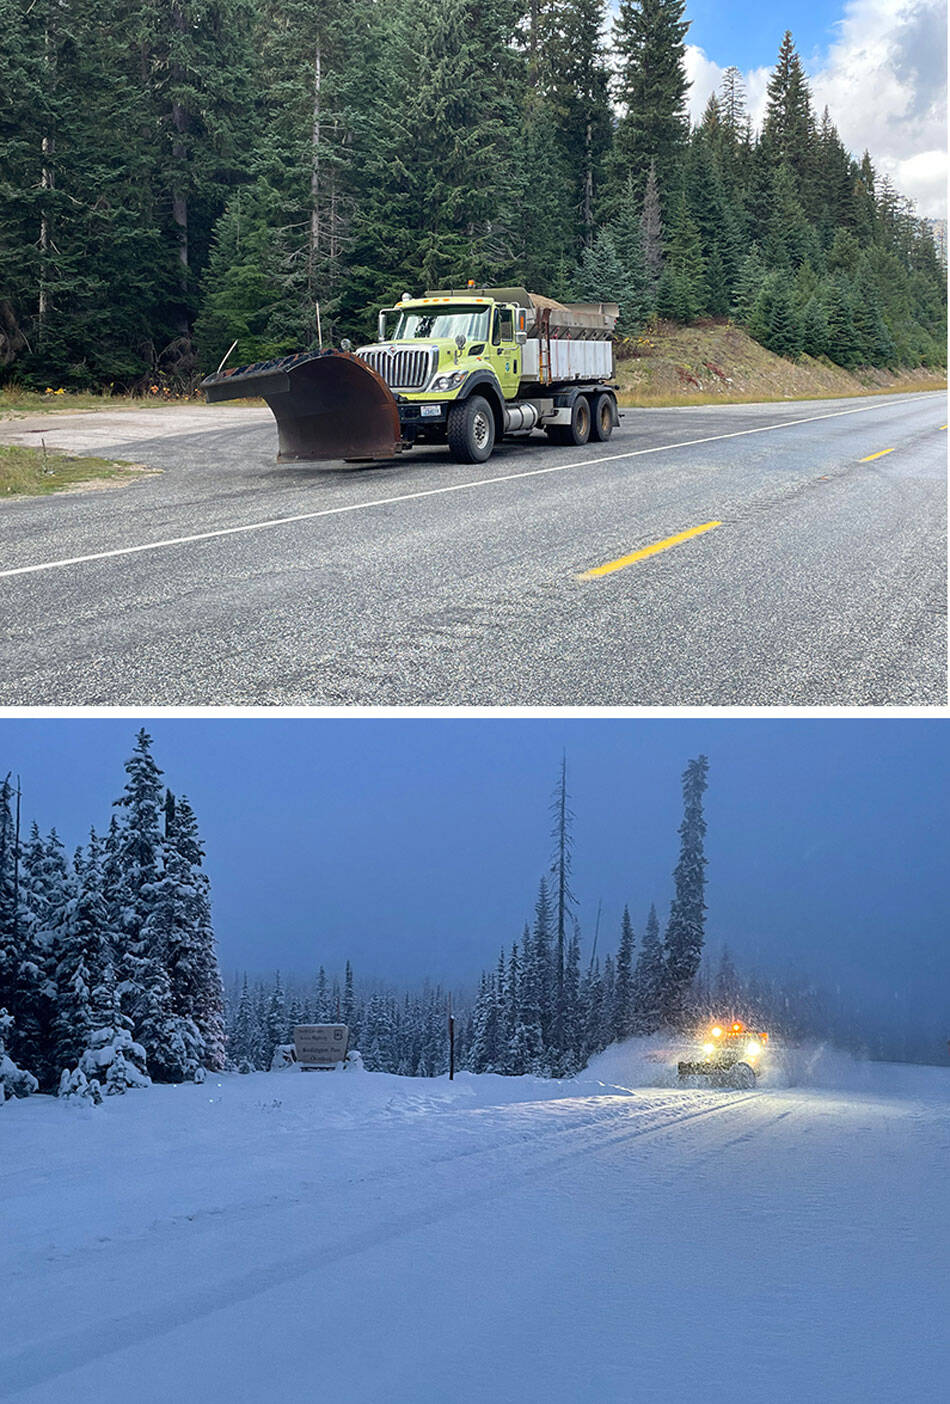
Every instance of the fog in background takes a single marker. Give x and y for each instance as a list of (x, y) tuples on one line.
[(414, 847)]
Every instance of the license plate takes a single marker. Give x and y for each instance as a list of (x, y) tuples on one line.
[(430, 411)]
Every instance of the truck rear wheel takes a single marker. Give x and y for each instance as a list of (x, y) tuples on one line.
[(602, 423), (578, 431), (471, 430)]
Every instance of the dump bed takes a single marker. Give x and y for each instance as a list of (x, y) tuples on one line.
[(567, 341)]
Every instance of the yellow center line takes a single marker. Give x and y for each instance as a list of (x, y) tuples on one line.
[(647, 551), (943, 426), (875, 455)]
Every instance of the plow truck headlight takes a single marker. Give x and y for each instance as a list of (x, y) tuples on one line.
[(449, 382), (709, 1047), (752, 1050), (717, 1032)]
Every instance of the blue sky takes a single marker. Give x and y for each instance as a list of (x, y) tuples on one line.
[(749, 34), (880, 66), (415, 846)]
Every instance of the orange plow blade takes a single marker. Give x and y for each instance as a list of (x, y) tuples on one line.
[(328, 405)]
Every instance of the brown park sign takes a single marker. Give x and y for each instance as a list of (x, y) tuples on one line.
[(320, 1045)]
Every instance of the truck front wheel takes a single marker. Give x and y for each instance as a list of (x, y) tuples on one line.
[(471, 430)]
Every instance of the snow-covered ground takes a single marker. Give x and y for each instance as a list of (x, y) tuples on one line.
[(361, 1237)]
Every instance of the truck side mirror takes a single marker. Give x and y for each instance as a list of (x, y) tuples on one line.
[(521, 337), (381, 327)]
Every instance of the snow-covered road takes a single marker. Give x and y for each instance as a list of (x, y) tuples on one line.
[(366, 1237)]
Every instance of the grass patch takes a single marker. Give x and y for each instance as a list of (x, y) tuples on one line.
[(15, 400), (30, 472)]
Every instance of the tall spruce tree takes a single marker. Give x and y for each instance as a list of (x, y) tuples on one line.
[(650, 90), (683, 941)]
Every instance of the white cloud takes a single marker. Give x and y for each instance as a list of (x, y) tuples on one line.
[(883, 79)]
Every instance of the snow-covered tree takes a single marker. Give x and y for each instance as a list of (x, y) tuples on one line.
[(14, 1081), (684, 933)]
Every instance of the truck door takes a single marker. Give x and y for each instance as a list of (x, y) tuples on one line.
[(505, 357)]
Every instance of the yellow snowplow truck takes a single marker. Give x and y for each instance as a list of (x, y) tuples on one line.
[(464, 368), (732, 1056)]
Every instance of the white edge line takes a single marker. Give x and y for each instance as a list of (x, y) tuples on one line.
[(426, 492)]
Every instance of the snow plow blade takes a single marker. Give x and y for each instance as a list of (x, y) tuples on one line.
[(328, 405)]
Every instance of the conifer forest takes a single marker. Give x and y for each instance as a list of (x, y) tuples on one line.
[(109, 974), (178, 176)]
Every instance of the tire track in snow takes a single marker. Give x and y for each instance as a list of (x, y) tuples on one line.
[(51, 1358)]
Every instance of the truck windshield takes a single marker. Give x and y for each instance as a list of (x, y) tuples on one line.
[(447, 322)]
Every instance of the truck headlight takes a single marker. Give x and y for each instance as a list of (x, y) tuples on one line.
[(449, 382), (752, 1050), (709, 1048)]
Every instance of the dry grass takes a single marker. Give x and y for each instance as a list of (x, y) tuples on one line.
[(30, 472), (717, 363), (14, 400), (646, 400)]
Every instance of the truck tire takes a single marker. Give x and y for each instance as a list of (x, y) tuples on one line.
[(602, 421), (743, 1077), (471, 430), (578, 431)]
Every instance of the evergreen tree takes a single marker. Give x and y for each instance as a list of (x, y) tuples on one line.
[(626, 235), (623, 1021), (651, 228), (651, 88), (649, 979), (601, 277), (243, 1041), (573, 80), (789, 128), (683, 941)]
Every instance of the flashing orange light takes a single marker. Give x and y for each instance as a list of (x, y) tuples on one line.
[(764, 1037), (470, 283), (736, 1028)]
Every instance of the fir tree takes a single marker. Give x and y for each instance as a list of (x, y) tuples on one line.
[(651, 90), (651, 228), (649, 979), (683, 941), (623, 1020)]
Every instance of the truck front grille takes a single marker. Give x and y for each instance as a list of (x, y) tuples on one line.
[(401, 369)]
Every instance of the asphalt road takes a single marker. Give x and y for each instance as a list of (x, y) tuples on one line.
[(229, 579)]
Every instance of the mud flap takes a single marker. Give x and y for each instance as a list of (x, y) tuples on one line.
[(328, 405)]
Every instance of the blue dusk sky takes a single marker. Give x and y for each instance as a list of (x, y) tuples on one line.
[(414, 847)]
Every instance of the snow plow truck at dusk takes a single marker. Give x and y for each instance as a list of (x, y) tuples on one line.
[(731, 1055)]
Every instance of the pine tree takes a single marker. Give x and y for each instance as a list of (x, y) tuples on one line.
[(650, 90), (789, 128), (81, 954), (623, 1014), (775, 321), (626, 234), (243, 1039), (651, 228), (685, 260), (573, 80), (602, 277), (649, 979), (135, 866), (683, 941), (14, 1081)]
